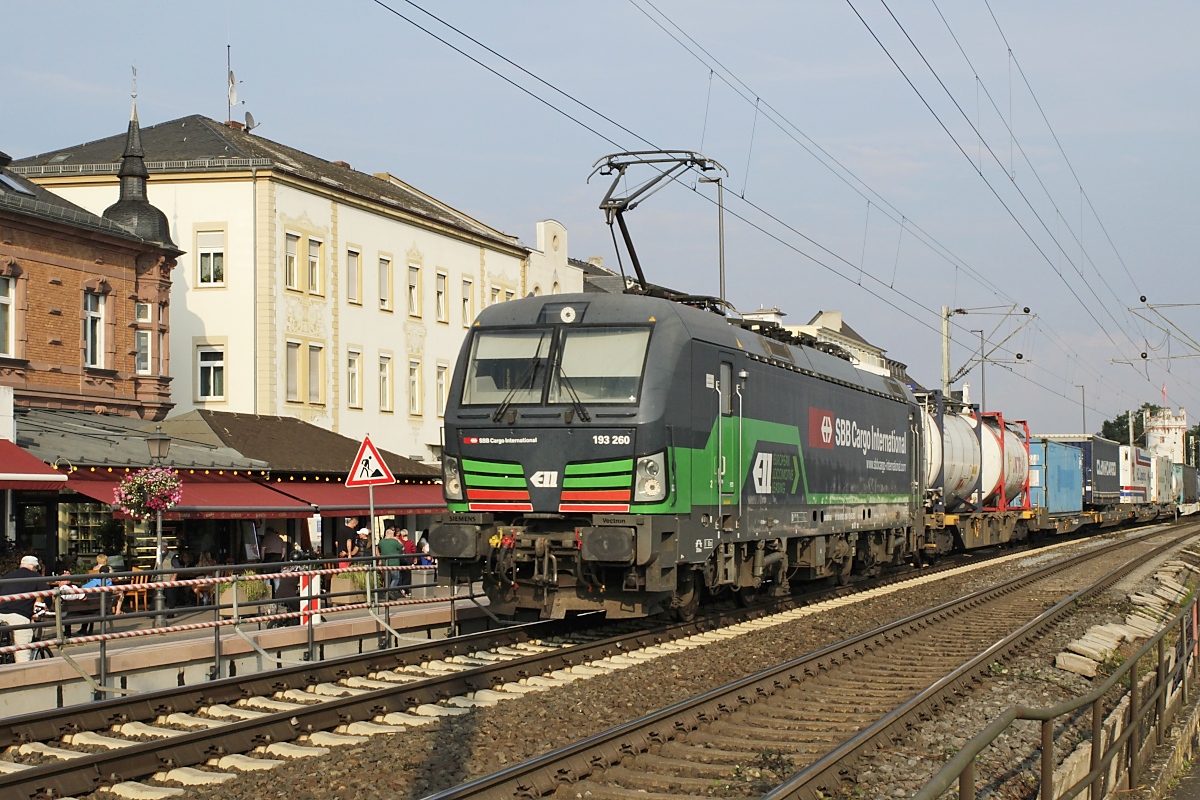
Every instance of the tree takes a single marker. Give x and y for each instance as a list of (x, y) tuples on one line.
[(1118, 429)]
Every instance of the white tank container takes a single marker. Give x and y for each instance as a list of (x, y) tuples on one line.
[(1013, 468), (955, 452)]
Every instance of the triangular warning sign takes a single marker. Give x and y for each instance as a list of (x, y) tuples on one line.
[(368, 468)]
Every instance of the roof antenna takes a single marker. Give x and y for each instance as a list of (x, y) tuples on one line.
[(231, 90)]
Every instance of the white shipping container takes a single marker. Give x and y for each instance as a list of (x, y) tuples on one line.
[(1136, 477)]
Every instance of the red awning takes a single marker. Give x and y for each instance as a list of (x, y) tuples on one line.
[(21, 470), (335, 499), (206, 497)]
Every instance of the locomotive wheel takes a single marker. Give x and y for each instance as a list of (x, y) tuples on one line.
[(687, 601), (746, 596), (844, 569)]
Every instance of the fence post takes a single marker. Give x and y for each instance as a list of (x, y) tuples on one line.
[(1097, 746), (1160, 685), (1048, 759), (1135, 713), (966, 782), (103, 645)]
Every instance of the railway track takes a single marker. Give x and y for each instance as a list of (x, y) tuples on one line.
[(812, 716), (301, 710)]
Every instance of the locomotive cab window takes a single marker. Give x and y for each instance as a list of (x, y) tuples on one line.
[(726, 388), (600, 365), (504, 362)]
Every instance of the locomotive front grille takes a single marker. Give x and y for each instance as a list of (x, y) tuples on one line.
[(599, 486), (495, 486)]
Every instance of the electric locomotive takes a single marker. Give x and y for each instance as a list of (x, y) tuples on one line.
[(626, 453)]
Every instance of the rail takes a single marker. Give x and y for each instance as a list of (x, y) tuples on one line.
[(1174, 667)]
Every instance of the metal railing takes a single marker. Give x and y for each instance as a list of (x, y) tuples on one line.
[(1142, 717), (68, 605)]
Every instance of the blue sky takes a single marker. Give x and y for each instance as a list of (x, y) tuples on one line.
[(897, 218)]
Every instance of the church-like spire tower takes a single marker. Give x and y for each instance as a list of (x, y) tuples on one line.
[(133, 210)]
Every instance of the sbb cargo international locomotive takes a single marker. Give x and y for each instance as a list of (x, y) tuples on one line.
[(628, 453)]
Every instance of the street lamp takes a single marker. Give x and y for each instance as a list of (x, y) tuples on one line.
[(1083, 405), (159, 444)]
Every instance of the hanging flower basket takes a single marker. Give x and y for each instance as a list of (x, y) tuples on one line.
[(144, 493)]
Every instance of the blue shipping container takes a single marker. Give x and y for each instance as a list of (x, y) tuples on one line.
[(1055, 477)]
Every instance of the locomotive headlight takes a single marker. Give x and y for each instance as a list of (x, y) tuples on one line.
[(451, 480), (649, 484)]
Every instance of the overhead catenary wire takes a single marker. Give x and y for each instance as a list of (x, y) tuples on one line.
[(574, 118)]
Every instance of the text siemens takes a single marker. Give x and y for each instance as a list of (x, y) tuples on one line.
[(848, 434)]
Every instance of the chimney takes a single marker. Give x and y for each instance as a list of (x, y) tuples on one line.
[(343, 164), (237, 126), (5, 160)]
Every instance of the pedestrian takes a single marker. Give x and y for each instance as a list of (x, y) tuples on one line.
[(169, 561), (389, 547), (273, 551), (20, 612), (101, 579), (348, 539), (410, 549)]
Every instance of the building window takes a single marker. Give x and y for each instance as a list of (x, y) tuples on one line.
[(509, 296), (210, 254), (414, 386), (290, 279), (556, 289), (414, 290), (141, 312), (314, 266), (468, 304), (385, 383), (353, 277), (315, 383), (353, 379), (160, 365), (441, 297), (212, 373), (385, 284), (141, 363), (7, 317), (442, 375), (495, 296), (93, 329), (293, 372)]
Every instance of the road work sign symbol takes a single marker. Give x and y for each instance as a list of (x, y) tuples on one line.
[(368, 468)]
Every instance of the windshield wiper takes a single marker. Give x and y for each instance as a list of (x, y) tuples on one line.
[(576, 403), (529, 374)]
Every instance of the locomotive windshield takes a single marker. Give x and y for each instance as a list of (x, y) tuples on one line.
[(601, 365), (507, 367), (592, 365)]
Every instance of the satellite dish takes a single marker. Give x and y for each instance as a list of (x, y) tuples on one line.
[(250, 123), (233, 101)]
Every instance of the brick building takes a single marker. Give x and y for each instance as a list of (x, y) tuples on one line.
[(85, 299)]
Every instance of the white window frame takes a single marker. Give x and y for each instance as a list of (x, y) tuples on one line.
[(291, 371), (442, 388), (414, 290), (468, 302), (141, 312), (143, 357), (414, 387), (354, 276), (211, 252), (385, 283), (216, 368), (440, 297), (315, 373), (8, 317), (386, 389), (93, 331), (291, 256), (354, 378), (495, 295), (509, 295), (315, 261)]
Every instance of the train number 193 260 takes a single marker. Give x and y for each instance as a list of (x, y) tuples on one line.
[(604, 438)]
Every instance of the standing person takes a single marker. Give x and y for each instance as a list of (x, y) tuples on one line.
[(273, 550), (348, 538), (169, 560), (410, 549), (389, 547), (20, 612)]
